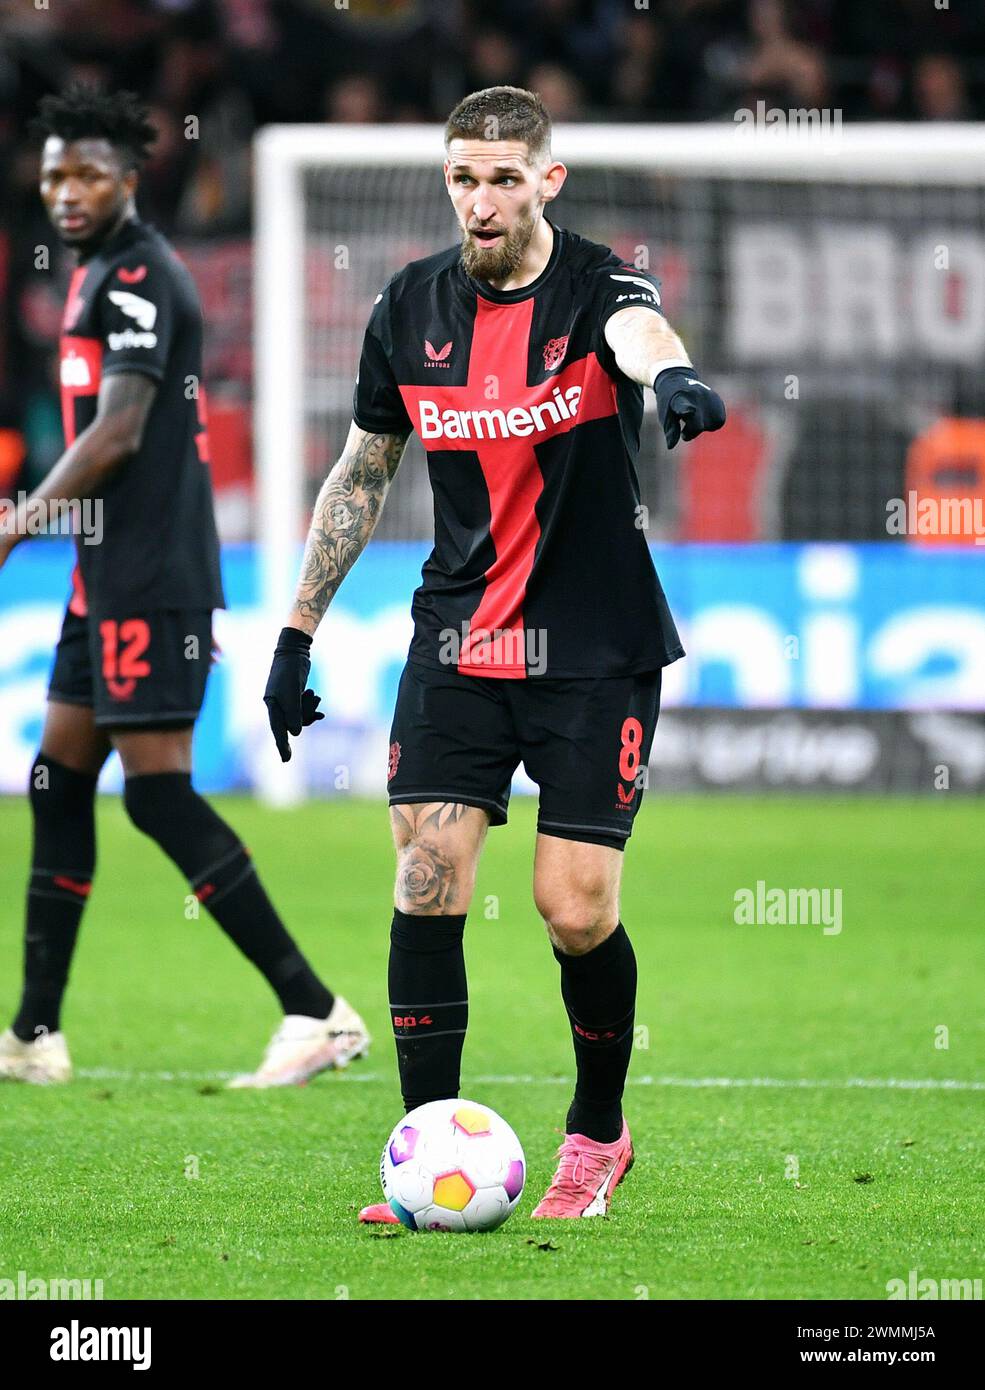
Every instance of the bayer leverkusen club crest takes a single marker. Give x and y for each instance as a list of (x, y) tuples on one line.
[(393, 761), (554, 352)]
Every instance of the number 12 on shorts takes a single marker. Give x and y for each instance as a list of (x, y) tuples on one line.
[(124, 645)]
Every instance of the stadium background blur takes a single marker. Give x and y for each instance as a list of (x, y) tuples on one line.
[(825, 651)]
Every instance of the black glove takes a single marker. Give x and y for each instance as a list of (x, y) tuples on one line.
[(290, 708), (684, 400)]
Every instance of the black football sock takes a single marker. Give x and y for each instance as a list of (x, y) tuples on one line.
[(599, 993), (63, 861), (429, 1004), (165, 806)]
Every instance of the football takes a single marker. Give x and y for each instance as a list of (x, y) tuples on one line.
[(453, 1165)]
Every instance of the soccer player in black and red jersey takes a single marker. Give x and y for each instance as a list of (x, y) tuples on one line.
[(541, 629), (131, 664)]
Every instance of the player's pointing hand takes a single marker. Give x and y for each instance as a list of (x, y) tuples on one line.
[(686, 405), (290, 707)]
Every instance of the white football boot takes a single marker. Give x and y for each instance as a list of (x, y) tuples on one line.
[(44, 1061), (303, 1046)]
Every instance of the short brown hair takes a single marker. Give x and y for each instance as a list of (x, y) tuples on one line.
[(502, 113)]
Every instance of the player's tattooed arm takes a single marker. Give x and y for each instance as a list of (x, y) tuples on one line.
[(124, 402), (345, 516), (641, 340)]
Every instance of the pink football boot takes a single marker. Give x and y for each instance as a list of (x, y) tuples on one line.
[(586, 1176), (379, 1214)]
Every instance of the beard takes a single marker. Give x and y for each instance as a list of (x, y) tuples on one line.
[(498, 262)]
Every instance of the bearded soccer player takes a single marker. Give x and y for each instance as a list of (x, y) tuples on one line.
[(131, 664), (541, 629)]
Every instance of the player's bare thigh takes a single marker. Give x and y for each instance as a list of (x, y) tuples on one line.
[(438, 845), (153, 750), (576, 890), (71, 737)]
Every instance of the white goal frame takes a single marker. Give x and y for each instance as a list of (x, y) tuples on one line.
[(948, 153)]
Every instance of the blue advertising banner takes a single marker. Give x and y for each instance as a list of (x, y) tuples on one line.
[(885, 626)]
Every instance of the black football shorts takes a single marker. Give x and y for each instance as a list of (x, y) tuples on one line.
[(140, 671), (585, 742)]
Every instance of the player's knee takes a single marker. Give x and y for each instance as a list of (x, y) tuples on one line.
[(432, 878), (45, 798), (57, 791), (155, 801), (63, 809), (576, 934), (577, 916)]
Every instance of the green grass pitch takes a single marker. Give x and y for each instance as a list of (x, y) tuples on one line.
[(820, 1189)]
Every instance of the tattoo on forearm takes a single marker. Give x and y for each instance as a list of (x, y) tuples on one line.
[(346, 513)]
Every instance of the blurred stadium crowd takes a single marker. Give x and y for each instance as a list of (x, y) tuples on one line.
[(239, 64), (235, 65)]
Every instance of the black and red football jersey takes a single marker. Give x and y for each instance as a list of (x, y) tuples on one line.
[(132, 306), (540, 564)]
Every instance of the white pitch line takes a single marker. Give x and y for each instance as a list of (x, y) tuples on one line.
[(877, 1083)]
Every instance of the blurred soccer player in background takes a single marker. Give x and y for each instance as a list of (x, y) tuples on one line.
[(132, 661)]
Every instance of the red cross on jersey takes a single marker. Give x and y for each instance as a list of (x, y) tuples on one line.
[(531, 433)]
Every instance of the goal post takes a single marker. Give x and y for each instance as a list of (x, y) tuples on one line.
[(787, 254)]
